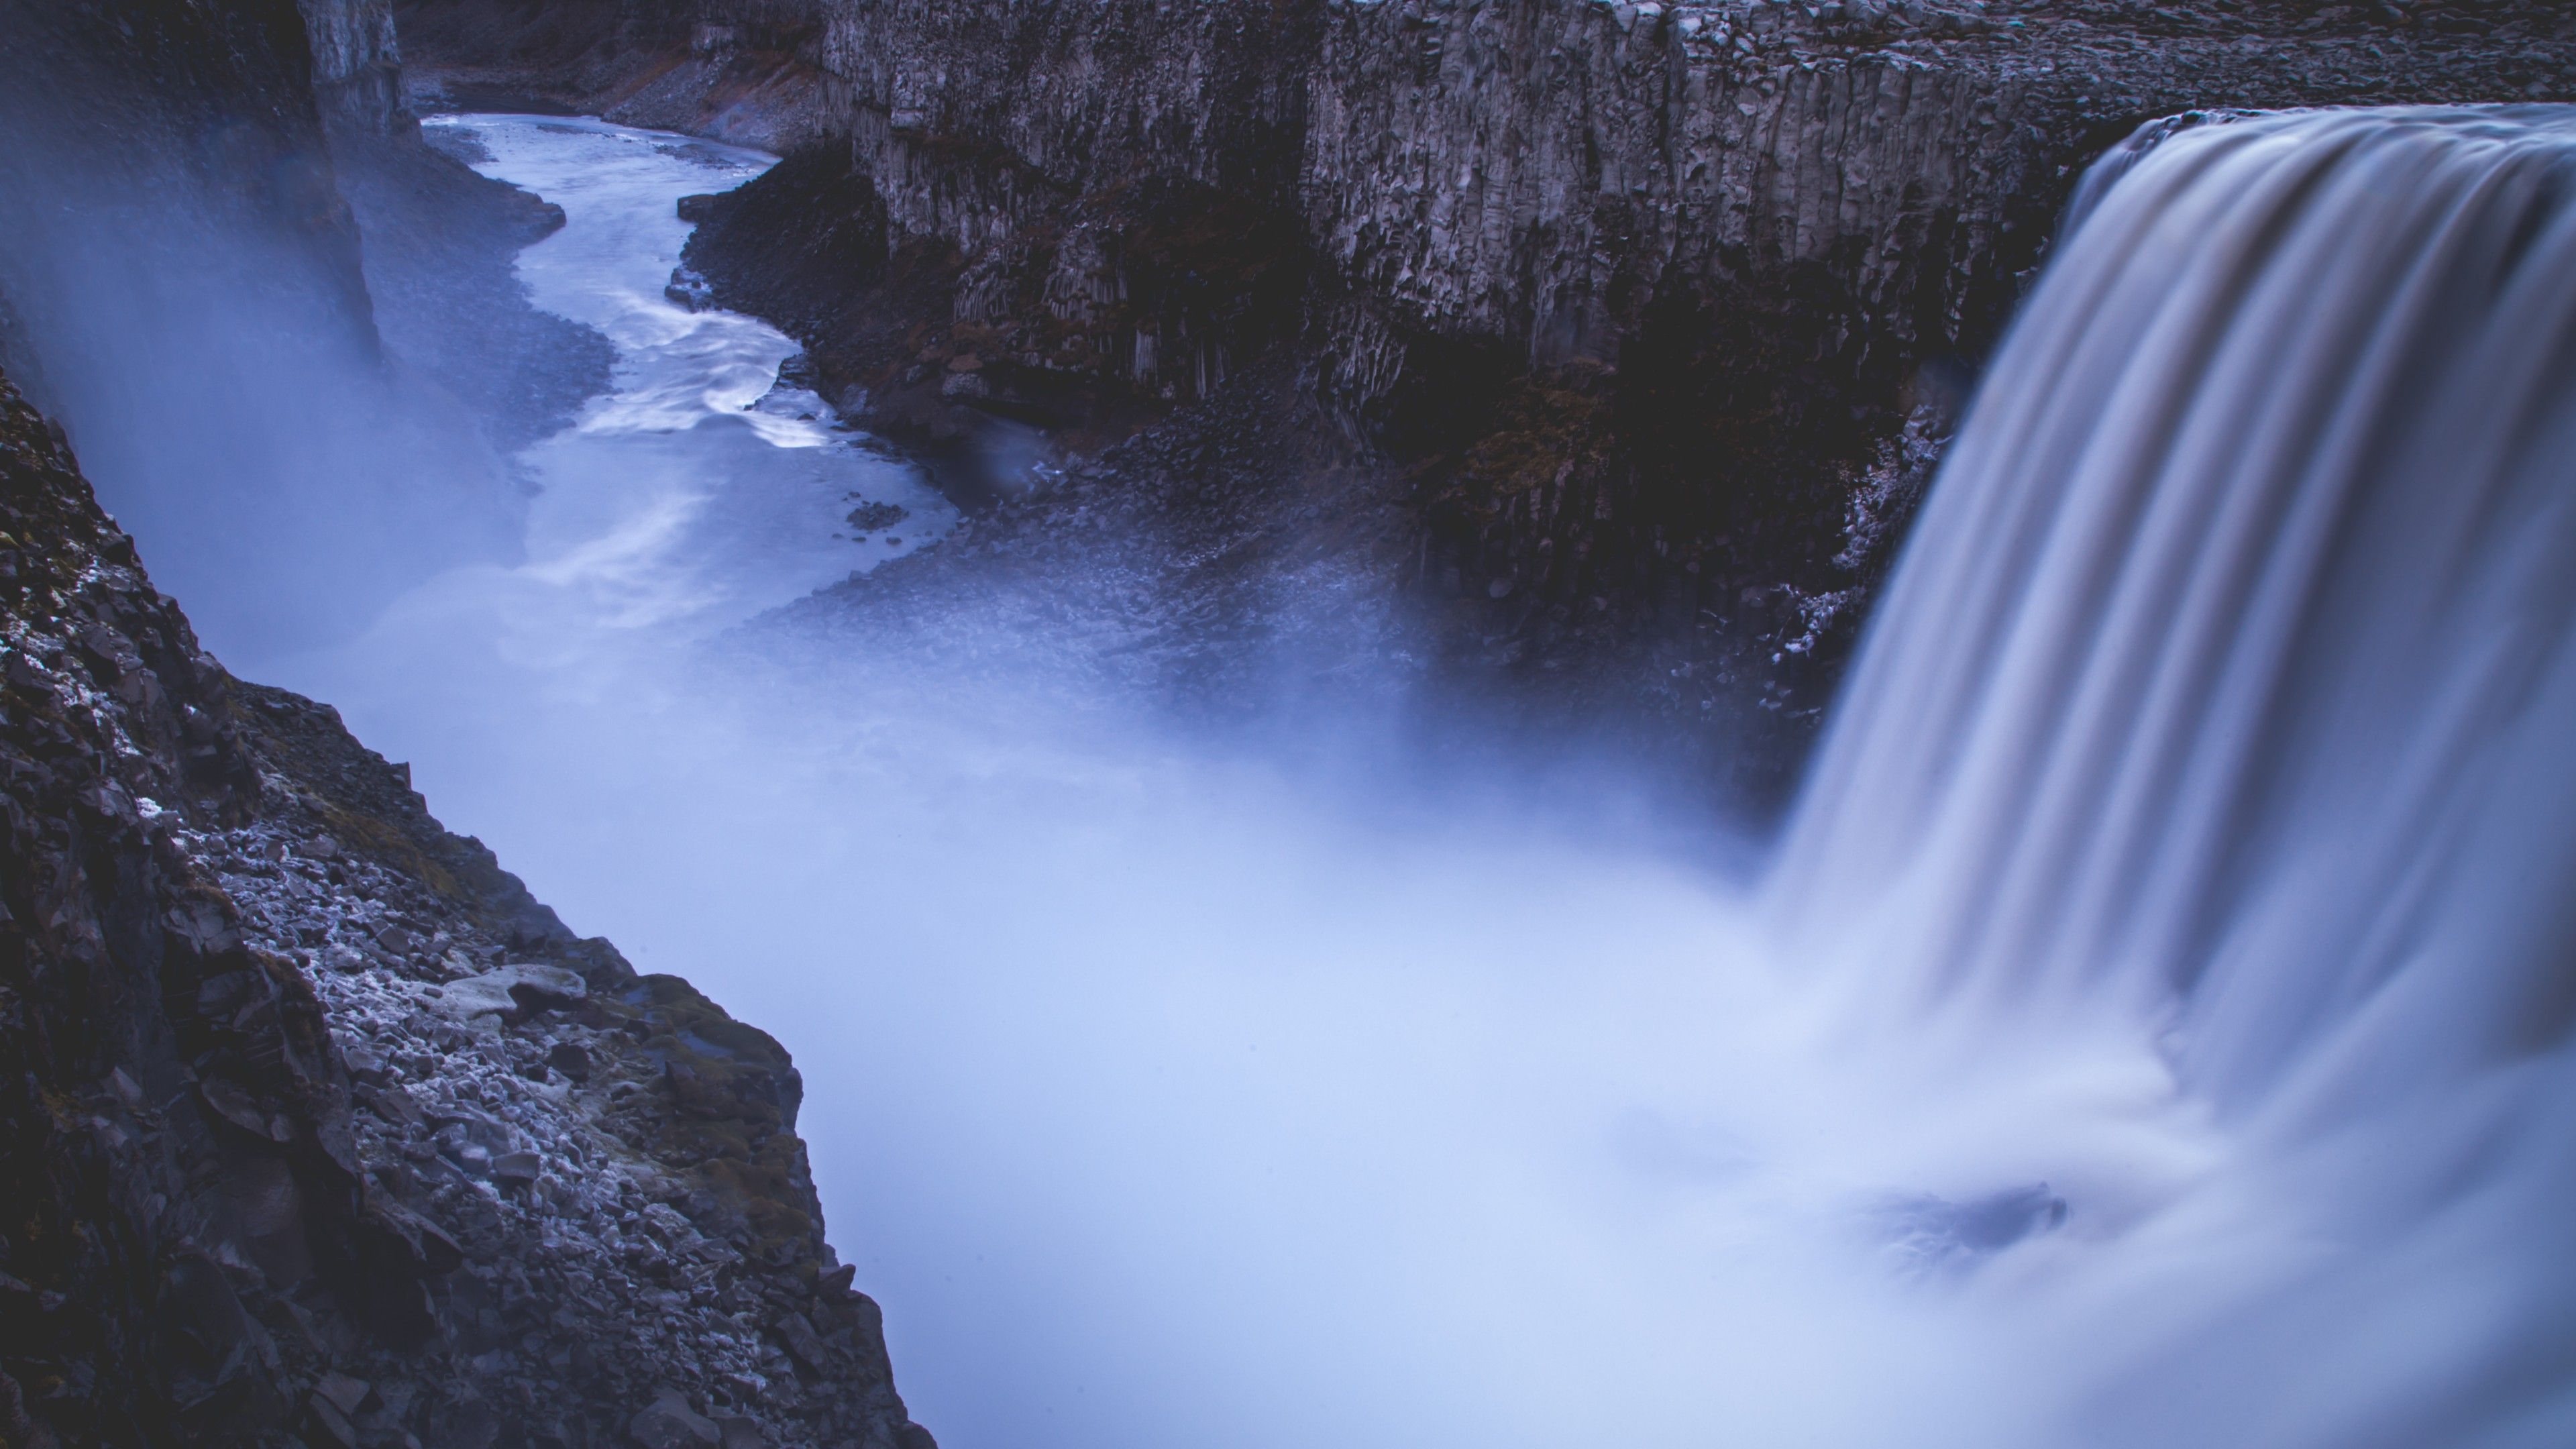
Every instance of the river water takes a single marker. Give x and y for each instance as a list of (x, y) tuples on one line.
[(1170, 1095)]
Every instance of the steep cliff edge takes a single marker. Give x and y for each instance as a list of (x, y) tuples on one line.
[(315, 1123), (1644, 322)]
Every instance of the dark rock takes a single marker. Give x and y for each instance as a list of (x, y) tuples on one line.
[(350, 1396), (516, 1168), (689, 290), (803, 1344), (366, 1065), (696, 208), (326, 1423), (570, 1058), (669, 1423)]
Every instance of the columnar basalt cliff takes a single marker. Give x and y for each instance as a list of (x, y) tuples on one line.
[(357, 66), (1648, 318)]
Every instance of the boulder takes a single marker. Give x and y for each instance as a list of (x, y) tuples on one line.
[(510, 992), (570, 1058), (803, 1344)]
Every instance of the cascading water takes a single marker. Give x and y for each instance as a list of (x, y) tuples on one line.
[(2229, 682)]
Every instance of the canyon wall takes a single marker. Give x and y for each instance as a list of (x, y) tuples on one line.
[(1648, 318), (743, 71), (357, 67)]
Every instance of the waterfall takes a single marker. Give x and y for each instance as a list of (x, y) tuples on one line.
[(2230, 681)]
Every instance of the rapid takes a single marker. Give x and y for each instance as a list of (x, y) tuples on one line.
[(2151, 1028)]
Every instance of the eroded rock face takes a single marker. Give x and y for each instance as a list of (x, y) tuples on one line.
[(744, 71), (314, 1122), (1652, 316), (357, 67)]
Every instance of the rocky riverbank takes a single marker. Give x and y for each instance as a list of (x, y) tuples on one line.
[(316, 1123)]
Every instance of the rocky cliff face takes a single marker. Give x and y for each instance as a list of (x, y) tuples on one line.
[(744, 71), (316, 1124), (1649, 317), (357, 68)]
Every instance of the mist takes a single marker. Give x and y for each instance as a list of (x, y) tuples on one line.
[(221, 376), (1173, 1084)]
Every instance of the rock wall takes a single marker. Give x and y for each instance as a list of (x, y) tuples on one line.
[(109, 104), (1653, 315), (743, 71), (315, 1123), (357, 68)]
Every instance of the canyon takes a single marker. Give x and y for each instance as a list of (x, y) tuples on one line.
[(1558, 369), (1615, 342)]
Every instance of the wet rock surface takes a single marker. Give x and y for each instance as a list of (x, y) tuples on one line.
[(1643, 323), (320, 1129)]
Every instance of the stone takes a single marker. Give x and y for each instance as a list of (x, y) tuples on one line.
[(803, 1344), (366, 1065), (516, 1167), (570, 1058), (669, 1423), (351, 1396), (478, 996), (511, 992), (230, 1101), (697, 207), (328, 1424)]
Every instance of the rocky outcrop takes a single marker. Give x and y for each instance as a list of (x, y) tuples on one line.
[(1650, 316), (357, 68), (315, 1123)]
